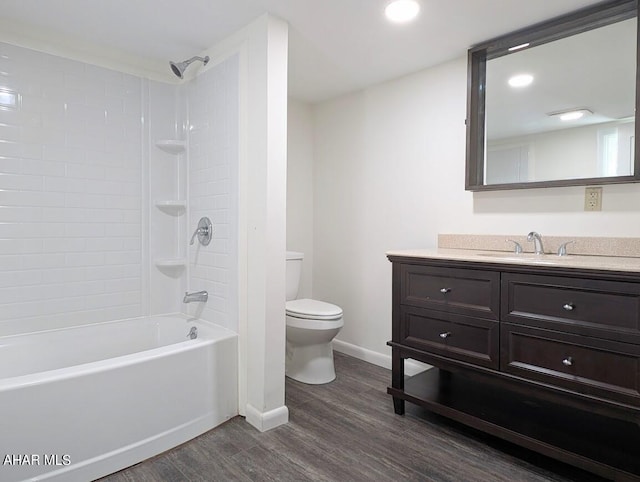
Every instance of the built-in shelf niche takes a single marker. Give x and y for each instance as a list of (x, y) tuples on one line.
[(171, 267), (171, 146), (172, 207)]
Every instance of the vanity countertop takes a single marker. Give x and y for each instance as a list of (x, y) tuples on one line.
[(608, 263)]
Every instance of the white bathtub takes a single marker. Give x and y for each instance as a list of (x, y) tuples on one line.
[(79, 403)]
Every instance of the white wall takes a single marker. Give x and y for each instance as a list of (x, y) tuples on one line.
[(571, 153), (213, 103), (71, 207), (164, 181), (389, 174), (80, 176), (262, 219), (300, 189)]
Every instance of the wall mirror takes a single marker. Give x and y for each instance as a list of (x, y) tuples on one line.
[(555, 104)]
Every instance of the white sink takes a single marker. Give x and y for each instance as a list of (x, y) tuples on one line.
[(524, 257)]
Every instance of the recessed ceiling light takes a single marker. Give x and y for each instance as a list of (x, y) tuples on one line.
[(521, 80), (518, 47), (401, 11), (570, 115)]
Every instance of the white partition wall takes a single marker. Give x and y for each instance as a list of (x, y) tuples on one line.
[(263, 157), (249, 67)]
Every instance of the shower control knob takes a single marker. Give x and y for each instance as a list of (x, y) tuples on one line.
[(203, 232)]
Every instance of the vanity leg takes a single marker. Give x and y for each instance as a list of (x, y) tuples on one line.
[(398, 406), (397, 379)]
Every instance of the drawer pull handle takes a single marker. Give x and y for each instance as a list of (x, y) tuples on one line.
[(567, 361), (568, 306), (444, 291), (446, 334)]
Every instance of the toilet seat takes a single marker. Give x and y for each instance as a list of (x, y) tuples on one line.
[(307, 309)]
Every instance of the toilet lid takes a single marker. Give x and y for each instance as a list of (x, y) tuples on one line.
[(313, 310)]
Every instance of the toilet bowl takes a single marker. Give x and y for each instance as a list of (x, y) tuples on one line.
[(311, 325)]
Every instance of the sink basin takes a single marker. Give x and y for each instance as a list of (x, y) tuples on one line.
[(524, 257)]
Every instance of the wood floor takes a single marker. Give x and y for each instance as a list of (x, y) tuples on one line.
[(347, 431)]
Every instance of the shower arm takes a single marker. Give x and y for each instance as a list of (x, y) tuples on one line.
[(178, 68)]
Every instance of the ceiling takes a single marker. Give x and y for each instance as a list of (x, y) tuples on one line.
[(335, 46), (594, 70)]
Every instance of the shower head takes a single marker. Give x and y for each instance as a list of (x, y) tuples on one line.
[(178, 68)]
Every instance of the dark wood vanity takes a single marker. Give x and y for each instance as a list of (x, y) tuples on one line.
[(544, 356)]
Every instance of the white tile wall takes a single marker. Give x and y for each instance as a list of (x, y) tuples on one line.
[(79, 176), (70, 192), (213, 189), (167, 182)]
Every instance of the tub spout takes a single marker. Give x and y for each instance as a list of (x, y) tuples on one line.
[(195, 296)]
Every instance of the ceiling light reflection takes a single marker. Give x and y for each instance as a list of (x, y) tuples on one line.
[(521, 80), (402, 11)]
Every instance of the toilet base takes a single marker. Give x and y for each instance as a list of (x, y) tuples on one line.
[(312, 364)]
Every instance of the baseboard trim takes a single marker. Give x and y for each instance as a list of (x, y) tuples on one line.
[(264, 421), (411, 367)]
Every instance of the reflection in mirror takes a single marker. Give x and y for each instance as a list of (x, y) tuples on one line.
[(555, 104), (564, 109)]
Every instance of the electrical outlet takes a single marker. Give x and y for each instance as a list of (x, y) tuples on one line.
[(593, 199)]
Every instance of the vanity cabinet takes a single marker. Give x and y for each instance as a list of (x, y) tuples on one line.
[(543, 356), (451, 312)]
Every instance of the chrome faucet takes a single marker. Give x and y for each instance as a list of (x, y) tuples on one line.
[(517, 249), (195, 296), (562, 250), (537, 242)]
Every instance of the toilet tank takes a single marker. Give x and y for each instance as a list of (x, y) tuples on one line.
[(294, 270)]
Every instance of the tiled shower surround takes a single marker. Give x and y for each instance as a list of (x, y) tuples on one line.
[(213, 175), (78, 167)]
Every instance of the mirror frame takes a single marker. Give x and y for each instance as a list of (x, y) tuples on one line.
[(598, 15)]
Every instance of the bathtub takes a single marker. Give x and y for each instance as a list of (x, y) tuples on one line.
[(83, 402)]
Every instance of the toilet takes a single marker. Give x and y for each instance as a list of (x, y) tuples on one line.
[(311, 325)]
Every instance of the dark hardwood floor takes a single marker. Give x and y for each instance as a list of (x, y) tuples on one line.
[(347, 431)]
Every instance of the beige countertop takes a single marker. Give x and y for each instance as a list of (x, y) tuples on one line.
[(609, 263)]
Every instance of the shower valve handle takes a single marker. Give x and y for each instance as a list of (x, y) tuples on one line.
[(203, 232), (198, 232)]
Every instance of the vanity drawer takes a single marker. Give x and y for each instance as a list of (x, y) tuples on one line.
[(589, 366), (455, 336), (608, 309), (464, 291)]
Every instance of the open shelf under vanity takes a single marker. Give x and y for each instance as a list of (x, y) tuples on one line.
[(584, 439)]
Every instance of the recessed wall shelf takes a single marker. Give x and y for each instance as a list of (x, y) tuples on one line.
[(172, 146), (172, 207)]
